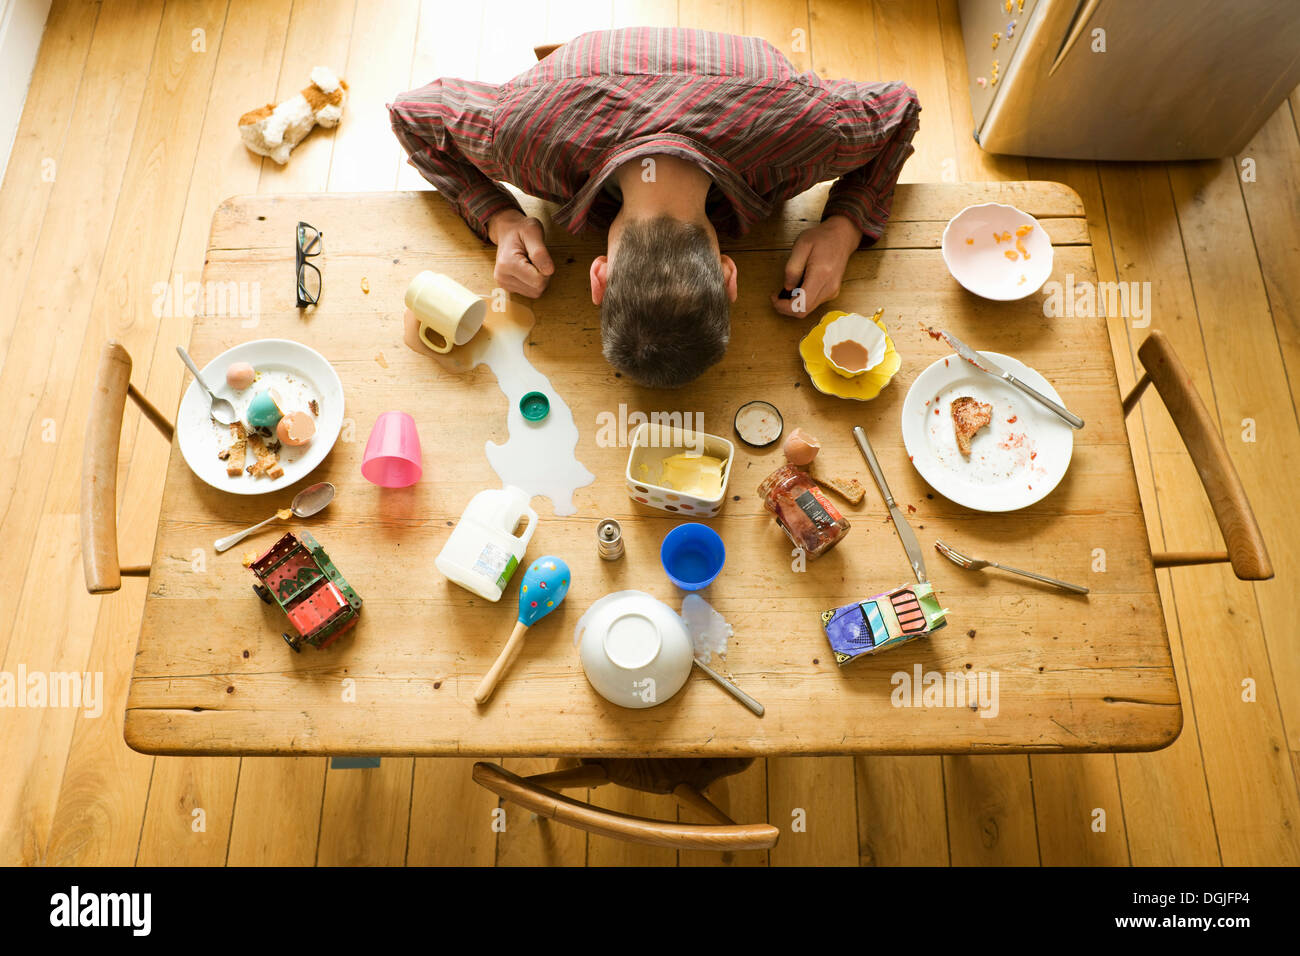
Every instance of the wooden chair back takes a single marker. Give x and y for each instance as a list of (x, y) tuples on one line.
[(684, 779), (99, 469), (1241, 534)]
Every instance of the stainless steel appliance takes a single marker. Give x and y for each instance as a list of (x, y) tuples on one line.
[(1127, 79)]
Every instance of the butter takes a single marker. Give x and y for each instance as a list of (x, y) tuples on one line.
[(696, 475)]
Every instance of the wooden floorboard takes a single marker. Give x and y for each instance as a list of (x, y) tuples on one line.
[(1167, 813), (38, 147), (306, 33), (127, 145)]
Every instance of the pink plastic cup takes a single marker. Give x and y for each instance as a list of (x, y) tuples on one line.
[(392, 458)]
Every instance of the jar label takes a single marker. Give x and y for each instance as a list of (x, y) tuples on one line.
[(810, 505)]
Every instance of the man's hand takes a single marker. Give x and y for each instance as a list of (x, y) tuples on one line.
[(523, 264), (816, 266)]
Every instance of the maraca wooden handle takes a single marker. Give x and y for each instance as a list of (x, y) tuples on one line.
[(507, 657)]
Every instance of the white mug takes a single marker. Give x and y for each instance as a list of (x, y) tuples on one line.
[(449, 314)]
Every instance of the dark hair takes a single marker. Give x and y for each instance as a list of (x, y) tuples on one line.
[(665, 317)]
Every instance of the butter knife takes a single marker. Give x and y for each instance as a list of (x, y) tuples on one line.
[(992, 368), (905, 532)]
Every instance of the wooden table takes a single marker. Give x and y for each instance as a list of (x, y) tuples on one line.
[(213, 676)]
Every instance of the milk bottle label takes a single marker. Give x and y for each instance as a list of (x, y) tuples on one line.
[(495, 561)]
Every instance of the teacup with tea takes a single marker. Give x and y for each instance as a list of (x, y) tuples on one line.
[(853, 344)]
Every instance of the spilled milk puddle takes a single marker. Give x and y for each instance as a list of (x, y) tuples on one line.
[(539, 458)]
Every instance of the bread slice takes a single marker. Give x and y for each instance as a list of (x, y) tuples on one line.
[(968, 417), (267, 461), (235, 454), (849, 489)]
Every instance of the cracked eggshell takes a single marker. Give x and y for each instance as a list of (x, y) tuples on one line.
[(801, 448), (296, 429)]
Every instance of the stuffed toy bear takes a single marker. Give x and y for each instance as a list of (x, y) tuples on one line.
[(275, 130)]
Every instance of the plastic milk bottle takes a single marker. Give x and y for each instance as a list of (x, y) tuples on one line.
[(487, 545)]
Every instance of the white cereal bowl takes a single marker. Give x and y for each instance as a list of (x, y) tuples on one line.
[(634, 649), (979, 261), (860, 329)]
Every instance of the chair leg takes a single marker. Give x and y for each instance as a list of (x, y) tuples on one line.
[(150, 411), (689, 797), (583, 776), (1182, 559), (1132, 398)]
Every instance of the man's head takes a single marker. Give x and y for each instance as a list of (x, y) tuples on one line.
[(665, 296)]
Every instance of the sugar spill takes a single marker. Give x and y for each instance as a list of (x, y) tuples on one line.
[(708, 629)]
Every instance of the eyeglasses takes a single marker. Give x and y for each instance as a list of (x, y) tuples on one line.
[(310, 244)]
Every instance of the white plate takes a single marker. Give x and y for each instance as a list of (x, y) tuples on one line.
[(299, 374), (1015, 460), (981, 265)]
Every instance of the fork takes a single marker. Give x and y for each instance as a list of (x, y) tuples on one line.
[(977, 564)]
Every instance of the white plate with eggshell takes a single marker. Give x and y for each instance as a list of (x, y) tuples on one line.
[(997, 251), (299, 375), (1015, 460)]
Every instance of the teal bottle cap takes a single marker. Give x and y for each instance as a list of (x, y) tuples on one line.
[(535, 406)]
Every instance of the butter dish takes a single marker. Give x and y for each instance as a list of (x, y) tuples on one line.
[(679, 470)]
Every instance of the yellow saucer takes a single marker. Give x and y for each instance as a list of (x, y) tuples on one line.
[(829, 382)]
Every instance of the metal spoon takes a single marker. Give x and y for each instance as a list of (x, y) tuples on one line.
[(977, 564), (731, 688), (222, 412), (306, 503)]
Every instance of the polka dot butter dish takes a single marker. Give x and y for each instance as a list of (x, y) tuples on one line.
[(677, 470), (861, 387)]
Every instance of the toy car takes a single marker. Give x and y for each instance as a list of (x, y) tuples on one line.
[(297, 574)]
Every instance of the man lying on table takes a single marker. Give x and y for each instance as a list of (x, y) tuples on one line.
[(663, 136)]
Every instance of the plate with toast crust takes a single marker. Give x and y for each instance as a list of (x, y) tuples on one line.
[(1015, 460)]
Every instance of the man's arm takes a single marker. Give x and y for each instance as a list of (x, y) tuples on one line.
[(816, 265), (440, 126), (877, 121)]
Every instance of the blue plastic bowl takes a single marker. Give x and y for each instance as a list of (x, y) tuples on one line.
[(692, 555)]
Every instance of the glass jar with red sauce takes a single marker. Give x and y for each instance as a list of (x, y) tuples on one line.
[(803, 511)]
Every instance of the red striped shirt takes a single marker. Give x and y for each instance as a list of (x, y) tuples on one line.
[(734, 105)]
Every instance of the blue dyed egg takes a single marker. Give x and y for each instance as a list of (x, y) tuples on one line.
[(265, 410)]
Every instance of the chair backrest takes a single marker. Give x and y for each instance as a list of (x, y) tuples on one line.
[(99, 469), (622, 826), (1245, 542)]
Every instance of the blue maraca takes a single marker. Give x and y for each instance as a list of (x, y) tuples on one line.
[(543, 588)]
